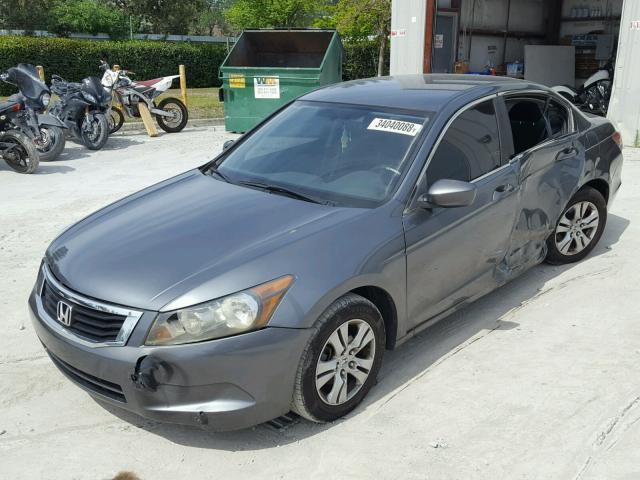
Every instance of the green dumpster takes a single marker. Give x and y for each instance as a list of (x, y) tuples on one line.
[(267, 68)]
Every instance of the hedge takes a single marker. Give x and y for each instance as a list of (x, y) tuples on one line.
[(77, 59)]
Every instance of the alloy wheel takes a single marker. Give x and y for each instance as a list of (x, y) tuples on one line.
[(345, 362), (577, 228)]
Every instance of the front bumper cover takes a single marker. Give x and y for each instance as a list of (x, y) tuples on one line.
[(224, 384)]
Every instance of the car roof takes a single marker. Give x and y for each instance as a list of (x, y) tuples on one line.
[(422, 93)]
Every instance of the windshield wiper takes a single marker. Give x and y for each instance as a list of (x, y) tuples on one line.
[(221, 175), (284, 191)]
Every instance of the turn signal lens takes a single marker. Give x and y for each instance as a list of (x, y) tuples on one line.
[(16, 107)]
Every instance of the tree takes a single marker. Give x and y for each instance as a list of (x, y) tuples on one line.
[(87, 16), (213, 18), (244, 14), (165, 16), (358, 19), (28, 15)]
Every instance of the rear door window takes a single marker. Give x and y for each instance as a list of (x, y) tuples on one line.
[(528, 123)]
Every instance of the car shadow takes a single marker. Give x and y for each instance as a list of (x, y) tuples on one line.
[(402, 366)]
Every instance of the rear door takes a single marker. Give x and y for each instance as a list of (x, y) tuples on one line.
[(551, 156), (454, 254)]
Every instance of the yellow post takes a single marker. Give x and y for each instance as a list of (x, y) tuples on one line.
[(40, 72), (183, 84), (147, 120)]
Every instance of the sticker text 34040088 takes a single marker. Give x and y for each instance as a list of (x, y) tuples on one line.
[(395, 126)]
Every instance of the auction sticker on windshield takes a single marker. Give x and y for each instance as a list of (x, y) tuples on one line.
[(395, 126)]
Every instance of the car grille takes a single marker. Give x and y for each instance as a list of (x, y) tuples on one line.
[(94, 384), (88, 323)]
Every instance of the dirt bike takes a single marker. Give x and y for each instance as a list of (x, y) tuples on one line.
[(171, 114)]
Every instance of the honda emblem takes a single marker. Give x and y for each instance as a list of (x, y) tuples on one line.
[(64, 313)]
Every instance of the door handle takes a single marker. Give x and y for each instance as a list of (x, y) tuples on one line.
[(502, 191), (568, 152)]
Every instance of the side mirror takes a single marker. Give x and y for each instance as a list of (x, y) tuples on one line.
[(227, 144), (448, 194)]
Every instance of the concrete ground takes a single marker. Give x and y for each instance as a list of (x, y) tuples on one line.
[(537, 380)]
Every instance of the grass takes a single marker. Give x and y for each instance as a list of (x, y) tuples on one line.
[(201, 102)]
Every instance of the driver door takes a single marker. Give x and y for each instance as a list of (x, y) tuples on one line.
[(454, 254)]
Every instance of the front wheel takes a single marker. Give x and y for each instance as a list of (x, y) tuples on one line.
[(579, 228), (179, 115), (341, 360), (94, 131), (51, 143), (19, 152)]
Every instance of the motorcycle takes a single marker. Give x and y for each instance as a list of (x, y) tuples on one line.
[(171, 114), (594, 95), (83, 108), (22, 112)]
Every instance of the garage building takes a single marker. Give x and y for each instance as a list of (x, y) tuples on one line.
[(553, 42)]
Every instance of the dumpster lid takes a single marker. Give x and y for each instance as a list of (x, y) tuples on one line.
[(280, 48)]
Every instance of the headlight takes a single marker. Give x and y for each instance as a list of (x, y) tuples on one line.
[(237, 313), (45, 98), (89, 97)]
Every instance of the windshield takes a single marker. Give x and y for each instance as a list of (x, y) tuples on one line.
[(25, 77), (343, 154)]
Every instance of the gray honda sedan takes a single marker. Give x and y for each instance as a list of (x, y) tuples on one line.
[(275, 277)]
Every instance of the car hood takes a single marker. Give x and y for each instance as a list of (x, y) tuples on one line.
[(149, 248)]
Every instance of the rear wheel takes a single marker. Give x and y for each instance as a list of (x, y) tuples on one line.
[(341, 360), (94, 131), (19, 152), (579, 228), (179, 115), (53, 140)]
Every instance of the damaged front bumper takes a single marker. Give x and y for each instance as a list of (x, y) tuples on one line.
[(223, 384)]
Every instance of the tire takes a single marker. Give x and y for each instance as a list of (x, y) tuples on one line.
[(182, 115), (23, 158), (95, 138), (55, 140), (575, 236), (314, 403), (116, 120)]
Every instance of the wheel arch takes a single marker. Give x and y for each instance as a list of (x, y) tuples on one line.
[(600, 185), (385, 303)]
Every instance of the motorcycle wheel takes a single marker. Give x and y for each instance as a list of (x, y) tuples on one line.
[(95, 135), (19, 152), (54, 140), (180, 115), (116, 120)]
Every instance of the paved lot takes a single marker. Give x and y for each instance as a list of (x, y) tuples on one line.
[(536, 380)]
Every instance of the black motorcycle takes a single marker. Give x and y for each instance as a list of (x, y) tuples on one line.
[(22, 109), (83, 108)]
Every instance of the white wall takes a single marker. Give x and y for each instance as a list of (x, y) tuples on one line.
[(407, 51), (624, 109)]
